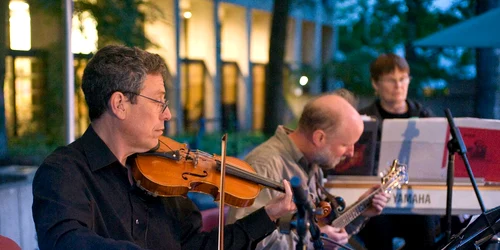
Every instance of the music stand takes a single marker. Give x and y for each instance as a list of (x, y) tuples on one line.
[(487, 224), (481, 230)]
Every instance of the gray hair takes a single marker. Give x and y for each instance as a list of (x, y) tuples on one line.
[(117, 68), (318, 117)]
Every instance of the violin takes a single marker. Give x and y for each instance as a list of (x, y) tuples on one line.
[(172, 169)]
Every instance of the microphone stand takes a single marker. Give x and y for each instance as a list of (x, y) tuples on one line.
[(315, 232), (286, 224), (457, 145), (301, 229), (305, 219), (303, 209)]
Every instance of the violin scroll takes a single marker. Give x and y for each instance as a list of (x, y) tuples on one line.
[(326, 209), (326, 206), (339, 204)]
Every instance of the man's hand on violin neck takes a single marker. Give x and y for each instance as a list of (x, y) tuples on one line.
[(281, 205)]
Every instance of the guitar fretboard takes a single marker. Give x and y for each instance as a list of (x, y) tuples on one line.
[(354, 211), (394, 179)]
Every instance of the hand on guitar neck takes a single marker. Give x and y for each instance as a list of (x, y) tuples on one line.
[(379, 199), (370, 204)]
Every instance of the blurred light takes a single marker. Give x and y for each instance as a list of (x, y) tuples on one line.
[(303, 80), (187, 14), (84, 33), (428, 91), (20, 25), (17, 5), (297, 91)]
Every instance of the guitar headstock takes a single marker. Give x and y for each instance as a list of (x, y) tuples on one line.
[(395, 177)]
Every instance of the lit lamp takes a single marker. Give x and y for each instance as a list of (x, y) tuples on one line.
[(187, 14), (20, 28)]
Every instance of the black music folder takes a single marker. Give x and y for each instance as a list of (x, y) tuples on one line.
[(363, 160)]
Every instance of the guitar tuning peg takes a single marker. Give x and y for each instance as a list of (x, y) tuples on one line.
[(381, 174)]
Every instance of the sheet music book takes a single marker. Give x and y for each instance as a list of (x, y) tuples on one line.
[(421, 143)]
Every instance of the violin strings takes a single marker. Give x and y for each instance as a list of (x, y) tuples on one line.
[(253, 177)]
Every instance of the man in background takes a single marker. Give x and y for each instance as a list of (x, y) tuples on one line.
[(390, 78), (327, 130)]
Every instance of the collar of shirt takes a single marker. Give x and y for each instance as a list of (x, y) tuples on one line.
[(98, 153), (282, 133)]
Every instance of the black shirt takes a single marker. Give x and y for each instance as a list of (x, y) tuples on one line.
[(82, 199), (415, 109)]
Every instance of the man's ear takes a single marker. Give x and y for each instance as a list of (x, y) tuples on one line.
[(118, 103), (374, 84), (319, 137)]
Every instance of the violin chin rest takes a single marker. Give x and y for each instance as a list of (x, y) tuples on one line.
[(155, 148)]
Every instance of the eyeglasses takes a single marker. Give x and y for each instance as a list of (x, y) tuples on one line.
[(403, 80), (164, 105)]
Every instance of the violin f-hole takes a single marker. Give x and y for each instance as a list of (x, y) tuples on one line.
[(184, 175)]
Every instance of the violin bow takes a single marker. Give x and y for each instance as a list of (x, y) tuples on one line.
[(221, 191)]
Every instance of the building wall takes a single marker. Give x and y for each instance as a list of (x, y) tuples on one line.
[(260, 36), (163, 34), (46, 30), (235, 47), (244, 39)]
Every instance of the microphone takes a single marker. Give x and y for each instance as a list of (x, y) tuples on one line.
[(299, 195), (300, 199), (305, 216)]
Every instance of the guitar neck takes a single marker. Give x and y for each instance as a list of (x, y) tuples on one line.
[(354, 211)]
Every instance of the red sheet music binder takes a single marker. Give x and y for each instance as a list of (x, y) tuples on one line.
[(363, 161), (482, 152)]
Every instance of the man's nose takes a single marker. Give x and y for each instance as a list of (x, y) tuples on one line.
[(350, 151), (166, 115)]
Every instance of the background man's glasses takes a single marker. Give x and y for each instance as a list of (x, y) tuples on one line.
[(403, 80), (164, 104)]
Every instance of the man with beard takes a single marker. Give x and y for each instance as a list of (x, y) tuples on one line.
[(327, 131)]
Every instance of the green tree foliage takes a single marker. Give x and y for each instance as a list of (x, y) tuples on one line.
[(392, 26), (118, 21), (238, 143)]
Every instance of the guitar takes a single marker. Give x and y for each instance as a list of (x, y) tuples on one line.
[(394, 178)]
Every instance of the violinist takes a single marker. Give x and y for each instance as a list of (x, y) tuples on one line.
[(84, 195), (327, 131)]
